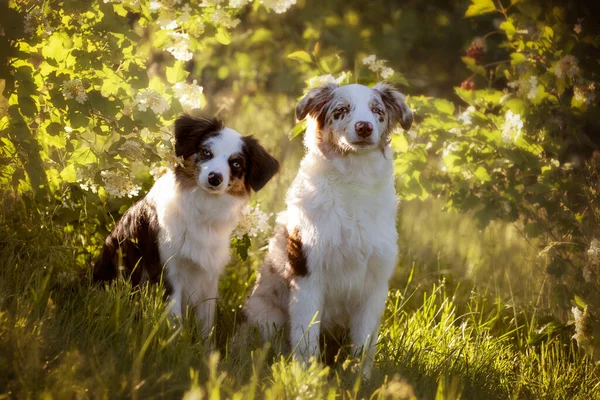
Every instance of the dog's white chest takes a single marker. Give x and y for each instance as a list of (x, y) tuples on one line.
[(195, 228), (348, 229)]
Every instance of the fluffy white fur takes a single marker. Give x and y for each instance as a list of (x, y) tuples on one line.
[(194, 235), (343, 204)]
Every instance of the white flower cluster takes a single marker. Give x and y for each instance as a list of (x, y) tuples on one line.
[(32, 20), (279, 6), (512, 127), (221, 17), (132, 150), (467, 116), (253, 222), (593, 252), (238, 3), (449, 148), (73, 89), (526, 87), (185, 13), (568, 66), (166, 23), (151, 99), (379, 66), (585, 92), (189, 95), (158, 4), (323, 80), (593, 257), (583, 328), (167, 154), (577, 29), (85, 175), (179, 46), (157, 171), (119, 184)]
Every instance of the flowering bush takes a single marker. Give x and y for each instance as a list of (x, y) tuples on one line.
[(89, 112), (514, 148)]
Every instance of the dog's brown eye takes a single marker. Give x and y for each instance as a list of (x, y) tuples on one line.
[(340, 112)]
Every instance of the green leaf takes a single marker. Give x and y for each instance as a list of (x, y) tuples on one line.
[(517, 58), (260, 35), (54, 128), (400, 143), (479, 7), (57, 46), (176, 73), (79, 120), (444, 106), (83, 156), (579, 301), (69, 174), (138, 76), (508, 28), (482, 174), (300, 56), (223, 36), (27, 106), (471, 64)]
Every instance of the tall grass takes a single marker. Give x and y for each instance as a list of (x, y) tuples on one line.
[(62, 337)]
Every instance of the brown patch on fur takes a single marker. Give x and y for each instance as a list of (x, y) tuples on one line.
[(296, 257), (316, 104), (260, 165), (327, 143), (395, 104), (238, 188), (131, 248), (191, 132), (187, 175)]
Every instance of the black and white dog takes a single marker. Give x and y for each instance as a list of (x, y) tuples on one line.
[(335, 247), (184, 223)]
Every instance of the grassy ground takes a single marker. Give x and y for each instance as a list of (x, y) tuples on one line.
[(61, 337)]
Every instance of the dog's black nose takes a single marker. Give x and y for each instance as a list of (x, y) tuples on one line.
[(363, 129), (215, 178)]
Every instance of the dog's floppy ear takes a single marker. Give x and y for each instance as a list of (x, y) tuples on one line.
[(396, 105), (260, 165), (191, 131), (313, 103)]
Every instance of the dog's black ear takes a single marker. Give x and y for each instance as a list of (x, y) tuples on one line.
[(395, 103), (260, 165), (314, 102), (191, 131)]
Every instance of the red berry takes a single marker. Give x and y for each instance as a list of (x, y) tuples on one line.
[(467, 85), (477, 49)]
